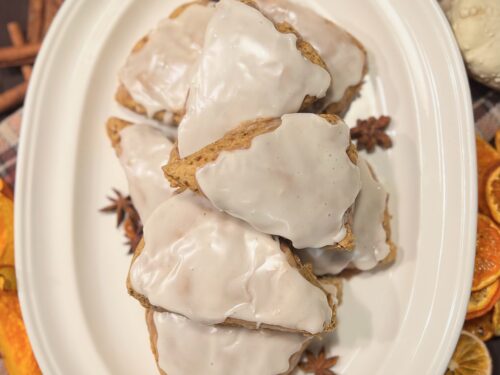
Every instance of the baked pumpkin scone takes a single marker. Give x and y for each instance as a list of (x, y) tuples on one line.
[(249, 68), (155, 79), (371, 227), (142, 151), (333, 285), (180, 46), (267, 172), (181, 346), (211, 268), (344, 55)]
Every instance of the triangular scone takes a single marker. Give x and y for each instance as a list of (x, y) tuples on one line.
[(199, 262), (333, 285), (371, 226), (295, 177), (142, 151), (155, 78), (249, 68), (181, 346), (344, 55)]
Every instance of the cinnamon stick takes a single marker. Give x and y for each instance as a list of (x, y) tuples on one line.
[(16, 56), (13, 96), (17, 40), (50, 9), (35, 21)]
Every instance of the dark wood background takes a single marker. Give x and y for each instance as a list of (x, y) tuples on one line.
[(16, 10)]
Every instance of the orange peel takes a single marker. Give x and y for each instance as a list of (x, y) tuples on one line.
[(8, 278), (495, 319), (483, 298), (487, 157), (487, 261), (489, 304), (6, 227), (483, 326), (6, 190), (14, 343), (492, 191)]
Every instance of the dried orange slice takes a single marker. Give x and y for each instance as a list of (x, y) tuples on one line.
[(483, 327), (6, 190), (6, 230), (495, 319), (483, 300), (471, 357), (497, 140), (14, 343), (487, 157), (8, 278), (493, 192), (487, 262)]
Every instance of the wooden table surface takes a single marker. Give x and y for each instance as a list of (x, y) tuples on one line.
[(16, 10)]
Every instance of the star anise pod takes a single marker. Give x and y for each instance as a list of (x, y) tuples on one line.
[(133, 228), (371, 132), (119, 204), (134, 239), (318, 364)]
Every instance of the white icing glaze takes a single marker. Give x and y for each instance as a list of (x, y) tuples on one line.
[(296, 182), (326, 262), (144, 150), (187, 347), (332, 289), (247, 70), (344, 58), (208, 266), (371, 246), (158, 75)]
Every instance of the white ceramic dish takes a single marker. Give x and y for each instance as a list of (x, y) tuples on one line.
[(71, 262)]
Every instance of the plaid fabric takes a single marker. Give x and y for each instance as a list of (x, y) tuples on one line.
[(486, 110), (9, 138)]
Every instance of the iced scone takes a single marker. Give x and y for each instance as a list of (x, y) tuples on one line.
[(371, 227), (294, 176), (142, 150), (249, 68), (155, 79), (179, 344), (203, 264), (182, 346), (344, 55), (253, 212)]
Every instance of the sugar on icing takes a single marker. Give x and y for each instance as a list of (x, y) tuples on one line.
[(144, 150), (208, 266), (187, 347), (371, 246), (158, 75), (247, 70), (296, 181), (344, 58)]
